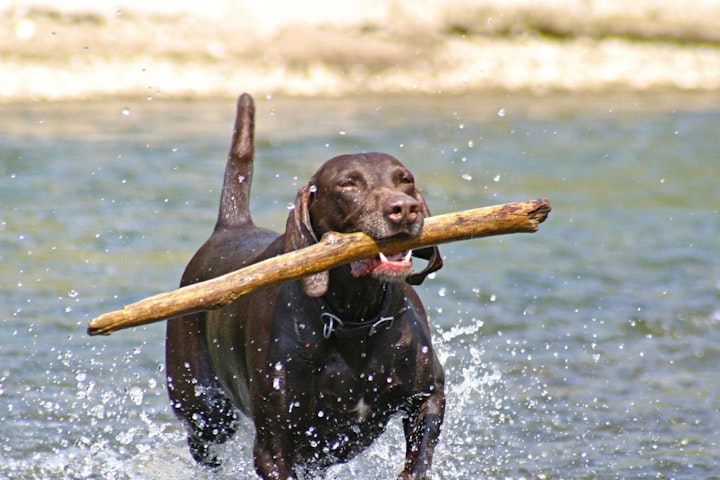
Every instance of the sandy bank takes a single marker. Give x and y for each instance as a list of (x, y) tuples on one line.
[(177, 49)]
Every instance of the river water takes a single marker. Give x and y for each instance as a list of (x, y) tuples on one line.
[(590, 349)]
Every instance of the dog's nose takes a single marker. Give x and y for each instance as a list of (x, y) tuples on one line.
[(402, 210)]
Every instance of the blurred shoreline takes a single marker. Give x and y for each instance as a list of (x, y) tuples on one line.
[(177, 49)]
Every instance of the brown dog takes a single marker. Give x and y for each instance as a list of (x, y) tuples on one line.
[(320, 365)]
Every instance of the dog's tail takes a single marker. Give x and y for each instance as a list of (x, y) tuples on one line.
[(235, 197)]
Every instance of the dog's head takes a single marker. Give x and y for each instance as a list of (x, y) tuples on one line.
[(371, 193)]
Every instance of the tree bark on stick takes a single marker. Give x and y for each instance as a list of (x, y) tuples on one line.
[(333, 250)]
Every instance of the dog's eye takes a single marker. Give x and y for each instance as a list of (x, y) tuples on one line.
[(349, 182), (406, 179)]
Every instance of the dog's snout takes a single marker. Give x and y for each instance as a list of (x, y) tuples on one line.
[(402, 210)]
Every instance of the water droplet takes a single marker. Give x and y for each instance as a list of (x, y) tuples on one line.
[(125, 111), (442, 292), (342, 133), (125, 438), (467, 176), (496, 178), (268, 96), (72, 294), (321, 413), (98, 411), (136, 395), (501, 112)]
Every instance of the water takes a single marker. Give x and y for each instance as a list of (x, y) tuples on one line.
[(590, 349)]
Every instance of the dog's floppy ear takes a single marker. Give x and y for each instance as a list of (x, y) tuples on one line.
[(431, 254), (299, 234)]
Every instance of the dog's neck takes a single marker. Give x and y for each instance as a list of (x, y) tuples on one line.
[(356, 299)]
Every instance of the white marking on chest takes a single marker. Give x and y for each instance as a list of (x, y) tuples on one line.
[(362, 409)]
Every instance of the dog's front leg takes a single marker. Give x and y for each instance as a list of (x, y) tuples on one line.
[(422, 431), (270, 463)]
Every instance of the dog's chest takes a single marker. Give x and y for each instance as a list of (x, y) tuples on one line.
[(357, 388), (349, 404)]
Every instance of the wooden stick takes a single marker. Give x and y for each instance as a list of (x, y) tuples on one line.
[(333, 250)]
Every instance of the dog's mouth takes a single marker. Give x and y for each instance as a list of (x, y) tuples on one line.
[(387, 268)]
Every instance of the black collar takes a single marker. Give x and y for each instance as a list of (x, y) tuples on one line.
[(332, 324)]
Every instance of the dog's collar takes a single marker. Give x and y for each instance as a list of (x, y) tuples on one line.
[(334, 324)]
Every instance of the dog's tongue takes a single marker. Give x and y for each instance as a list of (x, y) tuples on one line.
[(386, 267)]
